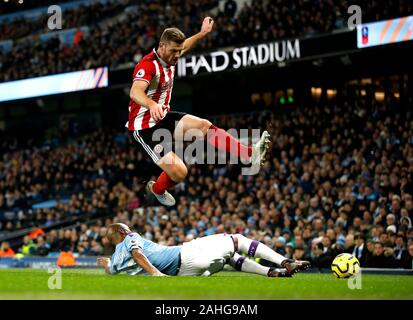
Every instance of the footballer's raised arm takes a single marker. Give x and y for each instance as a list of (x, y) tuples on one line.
[(205, 29), (144, 263)]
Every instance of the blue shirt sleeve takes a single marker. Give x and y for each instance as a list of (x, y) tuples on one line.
[(133, 241)]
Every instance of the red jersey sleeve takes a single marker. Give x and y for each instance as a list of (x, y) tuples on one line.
[(144, 70)]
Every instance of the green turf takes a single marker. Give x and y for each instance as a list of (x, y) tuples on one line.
[(94, 284)]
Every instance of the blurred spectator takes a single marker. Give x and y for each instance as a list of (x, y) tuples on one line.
[(369, 253), (299, 254), (43, 248), (65, 240), (320, 258), (29, 247), (96, 248), (349, 243), (77, 37), (52, 240), (327, 244), (280, 245), (36, 233), (408, 261), (66, 259), (400, 251), (339, 246), (359, 250), (230, 7), (289, 250), (5, 250), (381, 258)]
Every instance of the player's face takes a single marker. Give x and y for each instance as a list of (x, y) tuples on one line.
[(114, 237), (170, 52)]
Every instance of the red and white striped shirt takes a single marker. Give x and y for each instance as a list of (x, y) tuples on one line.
[(160, 77)]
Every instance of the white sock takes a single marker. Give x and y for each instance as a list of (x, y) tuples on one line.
[(254, 248), (244, 264)]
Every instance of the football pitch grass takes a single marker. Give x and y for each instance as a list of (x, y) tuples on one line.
[(94, 284)]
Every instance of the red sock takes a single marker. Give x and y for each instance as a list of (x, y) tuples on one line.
[(163, 183), (222, 140)]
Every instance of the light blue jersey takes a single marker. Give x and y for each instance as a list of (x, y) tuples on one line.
[(165, 258)]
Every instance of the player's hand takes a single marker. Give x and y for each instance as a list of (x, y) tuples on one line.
[(159, 274), (207, 25), (157, 112), (103, 262)]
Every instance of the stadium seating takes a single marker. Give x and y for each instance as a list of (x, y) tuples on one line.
[(83, 15), (123, 42)]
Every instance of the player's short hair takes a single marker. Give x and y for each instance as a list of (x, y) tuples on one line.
[(116, 228), (172, 35)]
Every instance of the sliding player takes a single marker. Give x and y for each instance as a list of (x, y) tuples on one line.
[(199, 257)]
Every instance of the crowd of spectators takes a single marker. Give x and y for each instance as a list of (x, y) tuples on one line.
[(85, 175), (113, 44), (12, 6), (81, 16), (338, 179), (266, 20), (127, 40)]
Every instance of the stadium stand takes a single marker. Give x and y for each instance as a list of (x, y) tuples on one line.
[(79, 16), (123, 42), (9, 7)]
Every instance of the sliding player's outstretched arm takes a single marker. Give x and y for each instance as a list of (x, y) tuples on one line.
[(145, 264), (205, 29), (104, 263)]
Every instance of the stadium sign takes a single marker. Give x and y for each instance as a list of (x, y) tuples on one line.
[(54, 84), (385, 32), (248, 56)]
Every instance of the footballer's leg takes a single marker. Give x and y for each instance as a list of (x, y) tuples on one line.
[(244, 264), (158, 143), (174, 172), (254, 248), (221, 140)]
